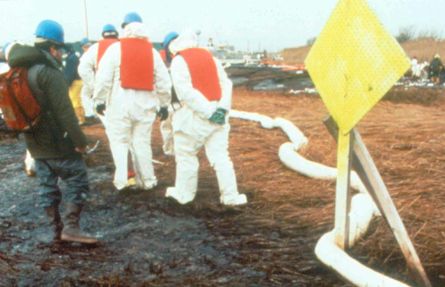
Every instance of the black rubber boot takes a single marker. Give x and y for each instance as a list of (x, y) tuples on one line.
[(71, 231), (54, 216)]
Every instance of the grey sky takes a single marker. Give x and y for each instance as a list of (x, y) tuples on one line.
[(247, 24)]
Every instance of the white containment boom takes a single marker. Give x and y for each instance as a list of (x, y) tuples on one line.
[(363, 207)]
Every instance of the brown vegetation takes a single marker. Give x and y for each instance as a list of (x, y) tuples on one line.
[(424, 49), (404, 139), (268, 242)]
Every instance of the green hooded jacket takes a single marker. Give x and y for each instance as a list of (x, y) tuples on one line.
[(58, 132)]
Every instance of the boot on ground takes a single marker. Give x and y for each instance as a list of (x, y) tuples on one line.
[(54, 217), (234, 199), (71, 231)]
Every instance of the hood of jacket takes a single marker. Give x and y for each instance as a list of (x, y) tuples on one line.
[(135, 30), (185, 40), (26, 56)]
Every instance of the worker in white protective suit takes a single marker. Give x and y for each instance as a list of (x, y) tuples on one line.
[(166, 127), (90, 60), (205, 94), (132, 82), (88, 66)]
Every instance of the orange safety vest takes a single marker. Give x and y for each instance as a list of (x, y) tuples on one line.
[(163, 55), (137, 66), (203, 72), (103, 46)]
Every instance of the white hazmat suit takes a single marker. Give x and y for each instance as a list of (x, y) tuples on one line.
[(87, 71), (193, 130), (130, 113)]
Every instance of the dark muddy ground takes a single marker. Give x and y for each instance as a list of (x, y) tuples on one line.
[(269, 242), (143, 240)]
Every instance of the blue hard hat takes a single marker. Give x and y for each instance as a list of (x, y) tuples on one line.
[(168, 38), (130, 18), (84, 41), (108, 28), (50, 30)]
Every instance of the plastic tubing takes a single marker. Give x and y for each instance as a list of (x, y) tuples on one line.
[(363, 209)]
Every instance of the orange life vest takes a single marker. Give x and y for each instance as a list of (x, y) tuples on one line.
[(203, 72), (163, 55), (167, 58), (137, 66), (102, 47)]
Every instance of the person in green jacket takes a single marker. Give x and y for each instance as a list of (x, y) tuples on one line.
[(57, 142)]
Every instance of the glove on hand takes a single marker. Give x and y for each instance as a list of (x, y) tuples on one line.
[(219, 116), (163, 113), (100, 108)]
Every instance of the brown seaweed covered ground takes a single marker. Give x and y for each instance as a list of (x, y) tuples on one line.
[(269, 242)]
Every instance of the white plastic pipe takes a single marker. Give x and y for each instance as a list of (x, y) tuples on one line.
[(293, 160), (363, 208), (355, 272), (288, 151)]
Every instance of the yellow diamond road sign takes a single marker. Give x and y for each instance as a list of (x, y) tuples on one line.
[(354, 62)]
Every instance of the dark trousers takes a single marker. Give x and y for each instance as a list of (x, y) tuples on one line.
[(74, 174)]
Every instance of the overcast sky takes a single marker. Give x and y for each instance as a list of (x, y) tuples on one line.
[(246, 24)]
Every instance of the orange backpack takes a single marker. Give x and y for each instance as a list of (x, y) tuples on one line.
[(20, 108)]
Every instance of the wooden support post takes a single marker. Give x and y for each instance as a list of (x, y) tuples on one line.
[(342, 191), (370, 176)]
